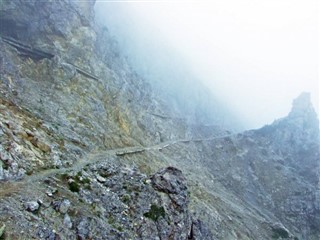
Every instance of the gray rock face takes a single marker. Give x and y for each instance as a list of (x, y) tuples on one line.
[(199, 231), (32, 206), (169, 180), (172, 182), (67, 221), (83, 229), (62, 206), (296, 138), (302, 108)]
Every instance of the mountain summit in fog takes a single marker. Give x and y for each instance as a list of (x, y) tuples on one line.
[(92, 146)]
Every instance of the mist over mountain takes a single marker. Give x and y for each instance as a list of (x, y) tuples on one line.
[(164, 68), (251, 62), (104, 136)]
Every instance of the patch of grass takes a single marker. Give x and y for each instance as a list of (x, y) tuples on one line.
[(78, 178), (86, 181), (127, 188), (155, 212), (125, 198), (111, 220)]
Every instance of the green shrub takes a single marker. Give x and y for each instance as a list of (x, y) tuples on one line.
[(155, 212), (111, 220), (74, 187), (125, 198)]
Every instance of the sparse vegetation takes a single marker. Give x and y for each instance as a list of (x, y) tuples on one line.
[(119, 228), (78, 178), (76, 181), (155, 212), (74, 187), (125, 198), (111, 220)]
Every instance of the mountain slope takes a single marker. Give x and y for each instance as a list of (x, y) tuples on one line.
[(89, 150)]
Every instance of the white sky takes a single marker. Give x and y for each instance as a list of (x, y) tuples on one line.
[(256, 55)]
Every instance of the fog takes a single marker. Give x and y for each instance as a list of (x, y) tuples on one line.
[(254, 56)]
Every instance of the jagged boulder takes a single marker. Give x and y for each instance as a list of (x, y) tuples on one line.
[(172, 182)]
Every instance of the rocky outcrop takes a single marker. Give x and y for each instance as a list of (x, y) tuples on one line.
[(296, 138), (300, 129), (101, 201)]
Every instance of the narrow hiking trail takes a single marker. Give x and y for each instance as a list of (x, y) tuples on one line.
[(11, 186)]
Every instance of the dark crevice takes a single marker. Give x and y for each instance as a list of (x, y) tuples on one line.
[(191, 234), (26, 50), (14, 33)]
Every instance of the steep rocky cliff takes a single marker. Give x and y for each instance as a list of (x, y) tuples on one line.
[(88, 150)]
